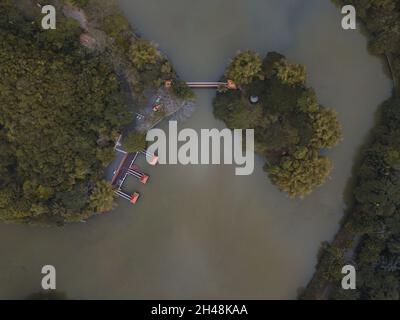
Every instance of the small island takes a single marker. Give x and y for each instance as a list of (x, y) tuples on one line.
[(291, 127)]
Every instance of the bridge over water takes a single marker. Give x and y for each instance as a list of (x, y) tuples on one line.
[(205, 84)]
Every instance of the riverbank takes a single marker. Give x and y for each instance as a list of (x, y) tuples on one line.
[(369, 229), (107, 31)]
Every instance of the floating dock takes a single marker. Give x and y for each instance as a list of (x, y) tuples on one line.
[(127, 168)]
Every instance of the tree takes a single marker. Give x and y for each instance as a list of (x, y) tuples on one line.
[(291, 74), (244, 68), (105, 156), (181, 90), (237, 114), (307, 102), (327, 129), (281, 136), (144, 55), (331, 261), (102, 197), (134, 142), (300, 173)]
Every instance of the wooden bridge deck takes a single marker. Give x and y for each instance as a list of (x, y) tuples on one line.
[(205, 84)]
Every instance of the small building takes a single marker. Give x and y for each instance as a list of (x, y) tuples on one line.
[(134, 197), (144, 178)]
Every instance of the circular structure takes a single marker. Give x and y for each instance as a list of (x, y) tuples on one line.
[(254, 99)]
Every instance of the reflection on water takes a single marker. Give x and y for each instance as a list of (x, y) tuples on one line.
[(201, 231)]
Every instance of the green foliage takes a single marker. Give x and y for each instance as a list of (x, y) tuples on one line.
[(238, 114), (291, 74), (116, 26), (151, 69), (307, 102), (280, 135), (181, 90), (59, 110), (299, 173), (144, 55), (331, 262), (134, 142), (269, 63), (166, 70), (327, 130), (378, 188), (102, 197), (375, 215), (290, 126), (244, 68)]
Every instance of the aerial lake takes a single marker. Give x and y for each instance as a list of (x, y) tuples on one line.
[(201, 231)]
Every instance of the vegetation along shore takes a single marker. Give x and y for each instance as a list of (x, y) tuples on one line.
[(67, 94), (369, 237)]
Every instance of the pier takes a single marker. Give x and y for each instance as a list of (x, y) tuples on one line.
[(127, 168)]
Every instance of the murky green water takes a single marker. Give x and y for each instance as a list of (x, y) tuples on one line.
[(201, 231)]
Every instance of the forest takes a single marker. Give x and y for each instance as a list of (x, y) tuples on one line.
[(369, 237), (291, 127), (61, 108)]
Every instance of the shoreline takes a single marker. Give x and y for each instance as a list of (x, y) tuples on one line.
[(346, 243), (99, 40)]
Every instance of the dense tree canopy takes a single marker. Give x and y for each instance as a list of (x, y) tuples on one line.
[(134, 142), (144, 55), (60, 109), (299, 173), (290, 73), (181, 90), (290, 126), (244, 67)]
